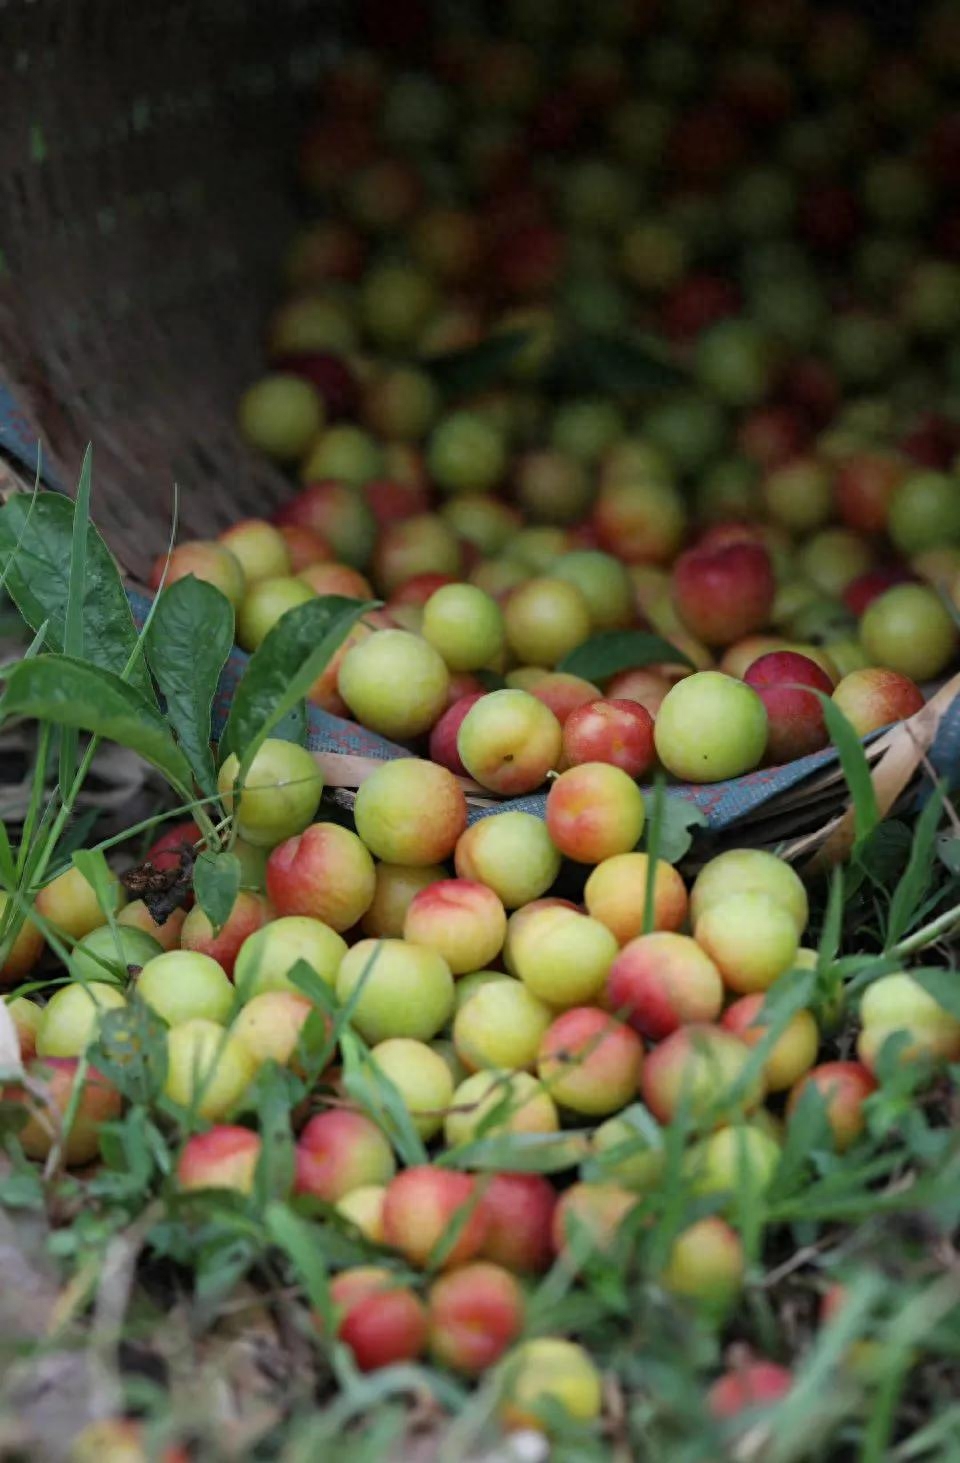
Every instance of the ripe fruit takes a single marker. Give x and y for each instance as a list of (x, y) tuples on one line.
[(754, 1384), (616, 732), (519, 1210), (435, 1217), (742, 869), (545, 1374), (594, 811), (794, 1051), (339, 513), (661, 981), (710, 728), (226, 1157), (396, 885), (266, 957), (381, 1320), (475, 1314), (208, 1069), (421, 1077), (616, 895), (462, 920), (411, 812), (706, 1264), (491, 1103), (509, 741), (98, 1102), (795, 720), (70, 903), (280, 793), (589, 1062), (698, 1069), (562, 957), (325, 872), (500, 1025), (211, 562), (750, 938), (843, 1088), (394, 683), (272, 1028), (724, 593), (641, 519), (182, 984), (874, 697), (395, 989), (512, 854), (249, 913), (340, 1150), (899, 1003), (259, 549), (909, 630)]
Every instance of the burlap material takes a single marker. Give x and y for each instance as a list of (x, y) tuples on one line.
[(146, 157)]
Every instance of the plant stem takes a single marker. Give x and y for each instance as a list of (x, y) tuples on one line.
[(928, 934)]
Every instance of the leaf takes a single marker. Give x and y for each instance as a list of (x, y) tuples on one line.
[(374, 1091), (293, 726), (612, 651), (942, 984), (678, 821), (515, 1153), (283, 668), (92, 864), (615, 364), (8, 871), (72, 693), (462, 372), (11, 1062), (299, 1241), (38, 582), (216, 883), (948, 851), (856, 768), (276, 1163), (73, 618), (187, 645), (915, 881), (131, 1051)]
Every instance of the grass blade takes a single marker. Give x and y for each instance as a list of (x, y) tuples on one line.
[(73, 616)]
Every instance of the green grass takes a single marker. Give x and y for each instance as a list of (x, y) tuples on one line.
[(208, 1315)]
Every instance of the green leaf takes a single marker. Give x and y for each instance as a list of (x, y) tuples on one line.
[(942, 984), (283, 668), (8, 872), (68, 692), (189, 640), (374, 1091), (73, 619), (677, 822), (276, 1164), (856, 768), (293, 726), (948, 851), (300, 1242), (915, 882), (216, 883), (462, 372), (615, 364), (513, 1153), (36, 550), (131, 1051), (612, 651)]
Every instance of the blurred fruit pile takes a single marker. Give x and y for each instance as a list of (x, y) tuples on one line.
[(583, 561), (483, 1080), (552, 191)]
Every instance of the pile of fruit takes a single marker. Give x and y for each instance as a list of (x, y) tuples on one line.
[(512, 1046), (790, 492), (452, 1041)]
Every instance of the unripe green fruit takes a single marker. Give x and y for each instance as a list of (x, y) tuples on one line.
[(72, 1016), (281, 415), (183, 984), (279, 796), (106, 954), (464, 625)]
